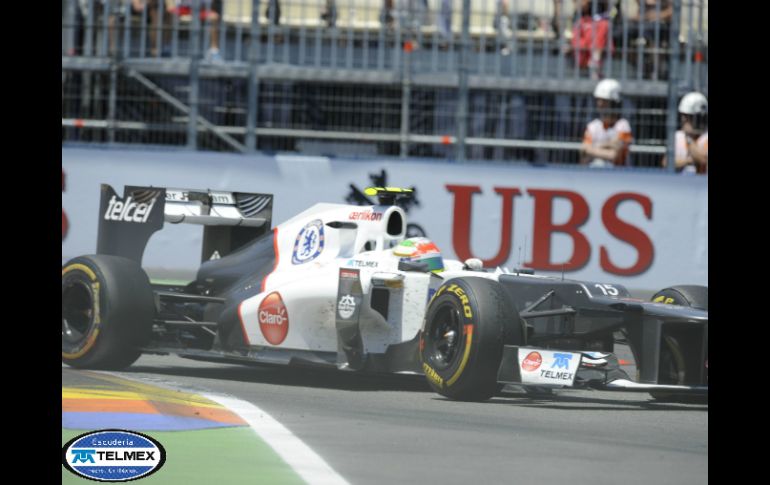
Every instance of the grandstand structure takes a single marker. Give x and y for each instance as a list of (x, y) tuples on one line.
[(450, 79)]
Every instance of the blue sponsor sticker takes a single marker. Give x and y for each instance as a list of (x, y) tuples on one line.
[(113, 455), (561, 361), (309, 243)]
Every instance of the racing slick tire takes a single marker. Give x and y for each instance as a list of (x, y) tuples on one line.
[(467, 323), (107, 312), (673, 362)]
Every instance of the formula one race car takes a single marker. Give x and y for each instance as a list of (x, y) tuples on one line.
[(341, 286)]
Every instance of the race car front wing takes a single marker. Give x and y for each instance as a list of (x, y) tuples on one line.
[(530, 366)]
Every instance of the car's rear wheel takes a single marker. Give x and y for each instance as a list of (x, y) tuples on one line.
[(467, 323), (676, 365), (107, 312)]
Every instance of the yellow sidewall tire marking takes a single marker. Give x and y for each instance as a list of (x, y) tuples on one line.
[(97, 311), (432, 375), (466, 354), (82, 267)]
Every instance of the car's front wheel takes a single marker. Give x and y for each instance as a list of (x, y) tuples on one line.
[(467, 323)]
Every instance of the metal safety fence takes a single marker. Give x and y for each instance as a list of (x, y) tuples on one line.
[(488, 79)]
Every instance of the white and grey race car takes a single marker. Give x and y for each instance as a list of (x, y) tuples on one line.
[(341, 286)]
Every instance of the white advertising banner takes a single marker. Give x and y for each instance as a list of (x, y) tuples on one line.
[(644, 230)]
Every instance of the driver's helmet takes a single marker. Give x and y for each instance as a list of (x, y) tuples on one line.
[(423, 250)]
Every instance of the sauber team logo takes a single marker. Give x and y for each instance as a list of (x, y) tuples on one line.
[(309, 243), (273, 319), (346, 306)]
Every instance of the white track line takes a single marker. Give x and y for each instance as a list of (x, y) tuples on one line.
[(299, 456), (306, 462)]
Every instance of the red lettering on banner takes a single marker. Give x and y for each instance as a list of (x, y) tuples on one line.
[(461, 224), (544, 229), (627, 233)]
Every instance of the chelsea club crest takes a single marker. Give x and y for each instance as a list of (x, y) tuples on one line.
[(309, 243)]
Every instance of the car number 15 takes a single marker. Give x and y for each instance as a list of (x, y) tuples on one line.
[(608, 290)]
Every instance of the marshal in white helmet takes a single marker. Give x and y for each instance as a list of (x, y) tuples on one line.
[(691, 141), (608, 89), (607, 138), (693, 104)]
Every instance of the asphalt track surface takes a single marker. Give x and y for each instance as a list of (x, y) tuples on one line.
[(393, 429)]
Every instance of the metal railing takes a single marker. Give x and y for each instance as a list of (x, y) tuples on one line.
[(375, 76)]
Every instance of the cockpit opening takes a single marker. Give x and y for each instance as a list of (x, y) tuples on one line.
[(395, 224)]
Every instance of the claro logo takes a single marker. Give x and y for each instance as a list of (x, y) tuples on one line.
[(129, 210), (273, 319), (532, 361)]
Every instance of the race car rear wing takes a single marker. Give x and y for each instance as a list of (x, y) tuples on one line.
[(230, 219)]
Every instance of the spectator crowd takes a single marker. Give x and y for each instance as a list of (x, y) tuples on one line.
[(596, 29)]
